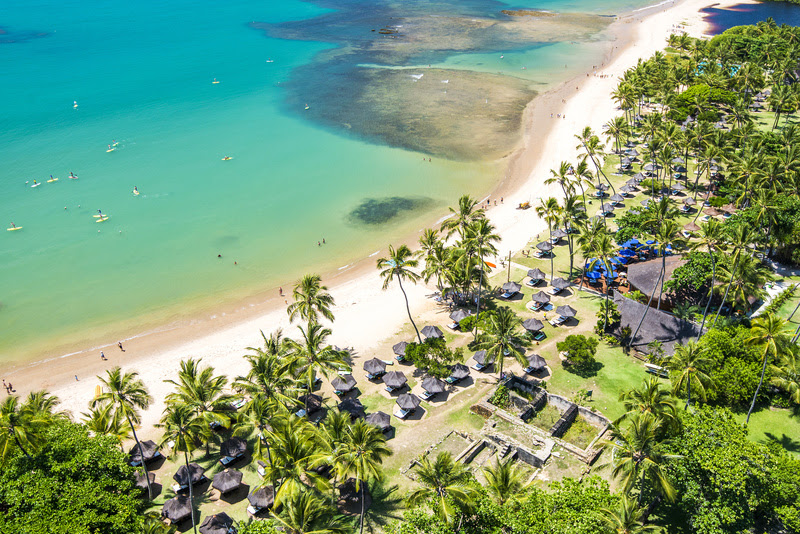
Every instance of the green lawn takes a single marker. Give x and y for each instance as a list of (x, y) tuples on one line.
[(775, 424)]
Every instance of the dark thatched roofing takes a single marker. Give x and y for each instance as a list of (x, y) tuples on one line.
[(177, 509), (262, 497), (227, 481), (150, 450), (644, 275), (216, 524), (658, 325), (379, 419), (233, 447), (182, 475), (344, 383)]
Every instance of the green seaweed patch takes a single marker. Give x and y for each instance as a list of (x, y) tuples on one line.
[(376, 211)]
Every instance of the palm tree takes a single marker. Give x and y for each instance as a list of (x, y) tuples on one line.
[(463, 215), (603, 248), (305, 513), (20, 426), (313, 355), (366, 448), (106, 421), (787, 375), (43, 403), (504, 480), (203, 392), (480, 237), (311, 299), (637, 459), (561, 177), (154, 524), (690, 362), (627, 519), (594, 150), (502, 337), (397, 266), (652, 399), (711, 237), (572, 215), (255, 417), (549, 210), (446, 483), (128, 394), (746, 279), (331, 439), (294, 452), (269, 377), (740, 239), (769, 334), (184, 428)]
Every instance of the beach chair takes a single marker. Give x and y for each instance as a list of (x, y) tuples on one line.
[(478, 366), (262, 468), (401, 413), (555, 290), (426, 395)]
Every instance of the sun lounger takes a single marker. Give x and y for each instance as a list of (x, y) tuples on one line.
[(507, 295), (533, 283), (555, 290), (252, 510), (225, 460), (426, 395), (558, 321), (401, 414), (262, 468), (478, 367), (301, 412), (451, 380), (453, 326), (390, 389), (177, 488)]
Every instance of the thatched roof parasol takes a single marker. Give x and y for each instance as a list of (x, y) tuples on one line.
[(216, 524), (227, 480), (262, 497), (177, 509), (380, 420), (433, 385), (395, 379), (182, 475), (432, 332), (376, 366), (344, 383), (532, 325), (408, 401)]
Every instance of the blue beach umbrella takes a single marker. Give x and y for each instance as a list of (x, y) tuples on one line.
[(627, 253), (594, 275), (651, 242)]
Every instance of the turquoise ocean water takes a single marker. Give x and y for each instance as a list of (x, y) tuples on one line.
[(141, 74)]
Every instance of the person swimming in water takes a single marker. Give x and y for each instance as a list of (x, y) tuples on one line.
[(135, 190)]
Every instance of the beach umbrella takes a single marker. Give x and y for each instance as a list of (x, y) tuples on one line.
[(233, 447), (376, 366), (141, 481), (678, 161), (645, 202), (652, 166), (639, 177), (511, 287), (314, 402), (262, 497), (632, 151), (711, 211), (617, 197), (651, 242), (620, 260), (608, 208), (540, 297), (352, 406), (227, 480), (432, 332), (532, 325), (395, 379), (627, 253), (559, 233), (149, 448), (483, 358), (627, 189), (537, 274), (729, 208), (182, 475), (458, 315), (177, 509), (545, 246), (459, 371), (689, 201), (380, 420), (625, 161), (344, 383), (602, 187), (630, 144), (399, 349), (433, 385), (679, 168), (408, 401), (593, 275), (559, 283), (691, 227), (536, 362), (566, 311), (219, 523), (678, 187)]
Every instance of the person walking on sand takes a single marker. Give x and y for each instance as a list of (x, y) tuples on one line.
[(280, 291), (5, 385), (102, 356), (119, 344)]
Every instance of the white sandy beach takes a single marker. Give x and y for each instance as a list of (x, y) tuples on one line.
[(368, 318)]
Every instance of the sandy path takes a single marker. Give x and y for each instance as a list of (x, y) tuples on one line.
[(367, 317)]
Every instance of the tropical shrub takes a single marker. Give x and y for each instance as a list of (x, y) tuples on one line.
[(434, 357), (579, 350)]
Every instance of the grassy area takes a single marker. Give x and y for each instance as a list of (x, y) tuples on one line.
[(580, 433), (779, 425), (546, 417)]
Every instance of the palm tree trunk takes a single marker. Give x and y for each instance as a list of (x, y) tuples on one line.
[(141, 453), (663, 272), (191, 491), (16, 440), (361, 529), (550, 231), (710, 294), (408, 309), (761, 381), (630, 343), (727, 289), (478, 305), (689, 391)]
